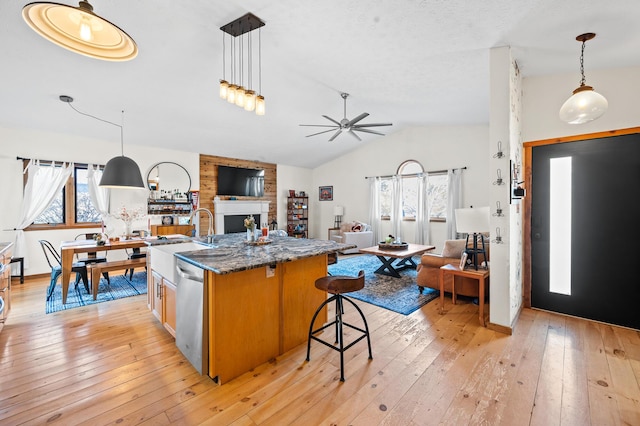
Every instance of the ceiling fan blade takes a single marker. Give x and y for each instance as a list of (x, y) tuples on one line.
[(324, 131), (335, 135), (317, 125), (332, 120), (360, 129), (356, 136), (373, 125), (358, 118)]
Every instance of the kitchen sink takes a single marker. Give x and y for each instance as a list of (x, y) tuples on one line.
[(164, 262)]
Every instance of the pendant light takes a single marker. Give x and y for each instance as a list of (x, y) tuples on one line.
[(80, 30), (235, 91), (119, 172), (585, 104), (224, 84), (260, 104)]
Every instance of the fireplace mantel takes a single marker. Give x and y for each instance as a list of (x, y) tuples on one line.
[(222, 208)]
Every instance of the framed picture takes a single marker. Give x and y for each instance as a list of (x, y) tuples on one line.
[(463, 260), (326, 193)]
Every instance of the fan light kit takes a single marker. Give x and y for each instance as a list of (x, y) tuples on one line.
[(585, 104), (346, 125), (234, 91), (80, 30)]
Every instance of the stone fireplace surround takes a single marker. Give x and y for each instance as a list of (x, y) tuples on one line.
[(222, 208)]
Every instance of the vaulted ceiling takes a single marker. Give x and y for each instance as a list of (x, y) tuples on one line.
[(412, 63)]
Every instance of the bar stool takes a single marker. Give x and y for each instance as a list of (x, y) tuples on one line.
[(338, 285)]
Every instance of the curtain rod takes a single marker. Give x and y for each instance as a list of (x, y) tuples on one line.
[(416, 174), (100, 166)]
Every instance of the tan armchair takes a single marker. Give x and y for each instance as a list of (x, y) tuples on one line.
[(429, 269)]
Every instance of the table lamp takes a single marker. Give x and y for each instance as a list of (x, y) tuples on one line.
[(338, 212), (474, 221)]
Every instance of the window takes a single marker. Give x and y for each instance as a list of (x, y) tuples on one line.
[(437, 191), (72, 207)]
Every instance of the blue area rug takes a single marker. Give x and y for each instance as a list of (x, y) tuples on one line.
[(395, 294), (120, 288)]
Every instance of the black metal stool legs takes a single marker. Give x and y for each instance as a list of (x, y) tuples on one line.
[(339, 340)]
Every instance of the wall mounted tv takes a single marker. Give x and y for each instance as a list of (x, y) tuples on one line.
[(238, 181)]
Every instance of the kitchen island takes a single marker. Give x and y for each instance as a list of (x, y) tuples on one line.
[(257, 300)]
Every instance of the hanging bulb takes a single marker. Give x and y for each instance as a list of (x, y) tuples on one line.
[(240, 96), (224, 88), (249, 100), (231, 93), (260, 107), (85, 29)]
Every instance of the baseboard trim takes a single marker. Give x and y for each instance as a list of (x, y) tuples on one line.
[(500, 328)]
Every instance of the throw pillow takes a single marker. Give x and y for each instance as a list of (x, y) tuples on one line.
[(356, 228), (453, 248)]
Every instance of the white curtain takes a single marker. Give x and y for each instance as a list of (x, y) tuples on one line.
[(44, 183), (454, 200), (374, 208), (99, 194), (423, 211), (396, 208)]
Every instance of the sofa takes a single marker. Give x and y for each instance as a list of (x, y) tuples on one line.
[(428, 271), (357, 233)]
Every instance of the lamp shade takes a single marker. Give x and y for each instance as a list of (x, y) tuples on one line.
[(121, 172), (472, 220), (338, 211), (583, 106), (80, 30)]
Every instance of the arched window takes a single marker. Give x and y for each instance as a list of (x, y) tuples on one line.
[(436, 191)]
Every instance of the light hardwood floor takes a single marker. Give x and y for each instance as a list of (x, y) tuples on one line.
[(113, 363)]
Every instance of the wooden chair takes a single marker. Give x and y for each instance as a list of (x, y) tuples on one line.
[(92, 256), (339, 285), (136, 253), (55, 262)]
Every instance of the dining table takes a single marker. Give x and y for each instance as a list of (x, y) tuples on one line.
[(68, 249)]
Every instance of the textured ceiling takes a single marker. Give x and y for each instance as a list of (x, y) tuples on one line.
[(411, 63)]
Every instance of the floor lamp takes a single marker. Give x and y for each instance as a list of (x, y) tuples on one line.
[(474, 221)]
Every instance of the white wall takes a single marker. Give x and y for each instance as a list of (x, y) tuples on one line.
[(436, 148), (53, 146)]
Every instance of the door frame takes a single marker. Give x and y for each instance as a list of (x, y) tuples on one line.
[(526, 228)]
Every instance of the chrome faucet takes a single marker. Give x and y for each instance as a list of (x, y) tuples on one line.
[(210, 230)]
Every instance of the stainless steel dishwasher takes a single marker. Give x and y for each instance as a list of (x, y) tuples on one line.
[(191, 316)]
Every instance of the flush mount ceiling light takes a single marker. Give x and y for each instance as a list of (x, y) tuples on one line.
[(234, 91), (585, 104), (119, 172), (80, 30)]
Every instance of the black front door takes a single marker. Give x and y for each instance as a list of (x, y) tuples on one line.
[(598, 213)]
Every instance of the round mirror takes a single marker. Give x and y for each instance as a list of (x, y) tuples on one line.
[(169, 176)]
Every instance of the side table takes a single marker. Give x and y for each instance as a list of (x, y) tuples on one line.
[(482, 275)]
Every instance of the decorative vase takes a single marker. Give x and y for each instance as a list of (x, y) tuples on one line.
[(251, 234), (127, 229)]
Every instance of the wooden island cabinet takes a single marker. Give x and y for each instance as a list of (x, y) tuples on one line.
[(258, 314)]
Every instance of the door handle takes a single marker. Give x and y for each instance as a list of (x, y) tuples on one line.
[(187, 275)]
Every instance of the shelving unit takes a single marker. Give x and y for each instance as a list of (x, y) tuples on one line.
[(298, 217), (168, 207)]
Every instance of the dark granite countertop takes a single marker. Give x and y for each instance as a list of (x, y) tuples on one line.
[(231, 253)]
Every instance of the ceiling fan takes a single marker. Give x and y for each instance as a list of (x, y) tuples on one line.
[(346, 125)]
